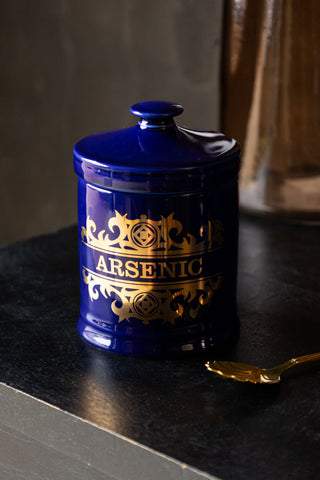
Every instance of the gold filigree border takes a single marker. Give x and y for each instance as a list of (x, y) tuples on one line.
[(148, 302), (143, 237)]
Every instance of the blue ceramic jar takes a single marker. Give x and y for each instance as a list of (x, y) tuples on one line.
[(158, 236)]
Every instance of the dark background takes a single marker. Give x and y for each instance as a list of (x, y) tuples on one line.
[(73, 67)]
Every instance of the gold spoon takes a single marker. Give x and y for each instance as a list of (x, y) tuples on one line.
[(249, 373)]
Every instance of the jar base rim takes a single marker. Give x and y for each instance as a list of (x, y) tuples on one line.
[(126, 345)]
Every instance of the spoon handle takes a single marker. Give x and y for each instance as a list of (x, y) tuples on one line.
[(312, 357), (308, 358)]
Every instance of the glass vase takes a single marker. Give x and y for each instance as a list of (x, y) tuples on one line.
[(271, 104)]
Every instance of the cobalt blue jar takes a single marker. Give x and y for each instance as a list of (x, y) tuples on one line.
[(158, 236)]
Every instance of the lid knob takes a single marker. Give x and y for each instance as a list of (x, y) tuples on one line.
[(156, 114)]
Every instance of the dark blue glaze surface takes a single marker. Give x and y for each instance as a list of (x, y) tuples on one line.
[(156, 110), (157, 150), (156, 145), (158, 235)]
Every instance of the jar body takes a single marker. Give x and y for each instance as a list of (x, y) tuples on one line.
[(158, 271)]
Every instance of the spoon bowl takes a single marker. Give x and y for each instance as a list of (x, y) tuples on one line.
[(249, 373)]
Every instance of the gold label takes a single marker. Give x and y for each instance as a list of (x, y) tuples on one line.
[(150, 268)]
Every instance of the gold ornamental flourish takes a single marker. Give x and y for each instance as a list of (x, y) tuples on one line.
[(143, 237), (150, 301)]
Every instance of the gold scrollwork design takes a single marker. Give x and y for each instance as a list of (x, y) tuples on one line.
[(148, 302), (144, 237)]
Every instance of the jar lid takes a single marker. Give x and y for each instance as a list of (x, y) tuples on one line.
[(157, 156)]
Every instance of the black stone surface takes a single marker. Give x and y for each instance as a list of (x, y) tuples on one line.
[(227, 429)]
